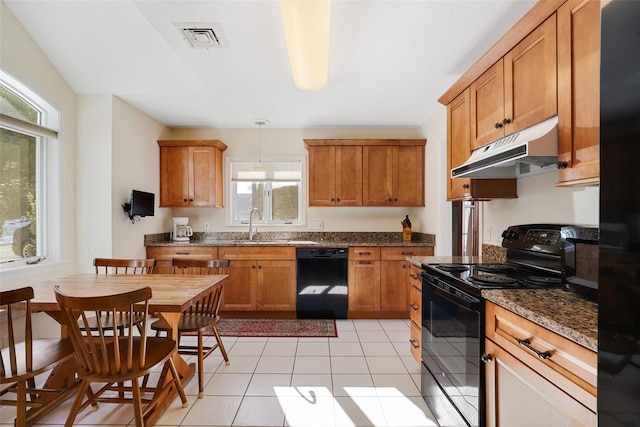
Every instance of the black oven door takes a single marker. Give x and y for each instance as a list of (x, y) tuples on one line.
[(452, 343)]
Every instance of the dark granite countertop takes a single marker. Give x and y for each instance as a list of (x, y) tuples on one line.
[(562, 312), (296, 239)]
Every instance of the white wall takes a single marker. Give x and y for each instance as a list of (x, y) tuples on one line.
[(136, 166), (23, 60), (540, 201), (437, 215)]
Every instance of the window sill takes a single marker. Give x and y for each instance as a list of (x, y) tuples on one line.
[(20, 270)]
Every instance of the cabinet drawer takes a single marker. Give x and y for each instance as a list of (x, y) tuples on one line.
[(416, 342), (168, 252), (415, 304), (272, 253), (414, 277), (401, 253), (570, 366), (364, 254)]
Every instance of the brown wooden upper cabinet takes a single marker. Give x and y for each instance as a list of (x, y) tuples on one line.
[(366, 172), (579, 92), (335, 175), (191, 173), (546, 64), (519, 90)]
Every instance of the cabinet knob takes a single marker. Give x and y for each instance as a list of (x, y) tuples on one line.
[(253, 267), (486, 357), (465, 186), (395, 200), (259, 267), (184, 200), (498, 125), (390, 199), (333, 200), (191, 200), (562, 165), (338, 199), (506, 121)]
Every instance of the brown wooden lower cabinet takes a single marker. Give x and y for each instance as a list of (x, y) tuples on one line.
[(547, 380), (415, 311), (260, 279), (364, 280)]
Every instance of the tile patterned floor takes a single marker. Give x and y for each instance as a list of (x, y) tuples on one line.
[(364, 377)]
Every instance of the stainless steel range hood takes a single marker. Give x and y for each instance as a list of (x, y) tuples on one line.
[(527, 152)]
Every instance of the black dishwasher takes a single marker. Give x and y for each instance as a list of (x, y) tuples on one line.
[(321, 283)]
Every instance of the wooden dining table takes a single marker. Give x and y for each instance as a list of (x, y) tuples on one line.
[(171, 295)]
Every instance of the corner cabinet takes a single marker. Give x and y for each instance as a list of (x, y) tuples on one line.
[(525, 362), (459, 150), (366, 172), (191, 173), (579, 92)]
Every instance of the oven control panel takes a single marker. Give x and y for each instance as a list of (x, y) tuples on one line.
[(537, 238)]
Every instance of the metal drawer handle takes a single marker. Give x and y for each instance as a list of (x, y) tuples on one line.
[(413, 343), (182, 253), (364, 253), (486, 358), (415, 307), (527, 344), (414, 276)]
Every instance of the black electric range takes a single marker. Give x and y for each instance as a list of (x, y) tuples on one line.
[(453, 316)]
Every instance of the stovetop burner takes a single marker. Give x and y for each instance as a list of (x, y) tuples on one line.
[(487, 279), (453, 267), (495, 268), (548, 281)]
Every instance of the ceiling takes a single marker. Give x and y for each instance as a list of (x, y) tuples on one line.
[(389, 62)]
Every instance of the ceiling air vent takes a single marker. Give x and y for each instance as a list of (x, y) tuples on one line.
[(201, 35)]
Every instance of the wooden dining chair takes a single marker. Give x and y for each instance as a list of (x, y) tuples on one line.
[(202, 316), (119, 266), (117, 361), (21, 361)]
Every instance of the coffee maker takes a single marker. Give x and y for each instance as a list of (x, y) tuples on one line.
[(181, 231)]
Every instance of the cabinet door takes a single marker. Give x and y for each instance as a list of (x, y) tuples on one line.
[(348, 178), (322, 175), (530, 79), (202, 184), (364, 286), (579, 92), (458, 143), (377, 166), (174, 176), (240, 288), (487, 106), (518, 396), (393, 286), (277, 285), (408, 174)]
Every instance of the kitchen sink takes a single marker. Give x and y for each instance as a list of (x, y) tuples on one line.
[(280, 242)]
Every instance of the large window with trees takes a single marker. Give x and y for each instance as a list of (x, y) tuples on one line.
[(26, 133)]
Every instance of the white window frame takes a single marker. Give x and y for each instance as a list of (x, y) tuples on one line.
[(265, 222), (47, 181)]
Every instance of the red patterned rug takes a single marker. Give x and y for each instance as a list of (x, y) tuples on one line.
[(278, 328)]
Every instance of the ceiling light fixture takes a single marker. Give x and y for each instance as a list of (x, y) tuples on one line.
[(260, 166), (306, 26)]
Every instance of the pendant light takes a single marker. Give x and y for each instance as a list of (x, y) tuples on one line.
[(260, 166)]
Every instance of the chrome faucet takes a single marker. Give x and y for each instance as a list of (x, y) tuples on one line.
[(253, 232)]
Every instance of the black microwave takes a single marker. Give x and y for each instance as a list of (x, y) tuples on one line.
[(580, 262)]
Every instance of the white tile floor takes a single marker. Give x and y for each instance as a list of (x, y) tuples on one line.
[(364, 377)]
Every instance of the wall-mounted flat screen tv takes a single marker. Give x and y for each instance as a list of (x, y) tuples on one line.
[(141, 204)]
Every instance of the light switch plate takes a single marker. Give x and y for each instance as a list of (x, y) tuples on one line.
[(487, 234), (315, 225)]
